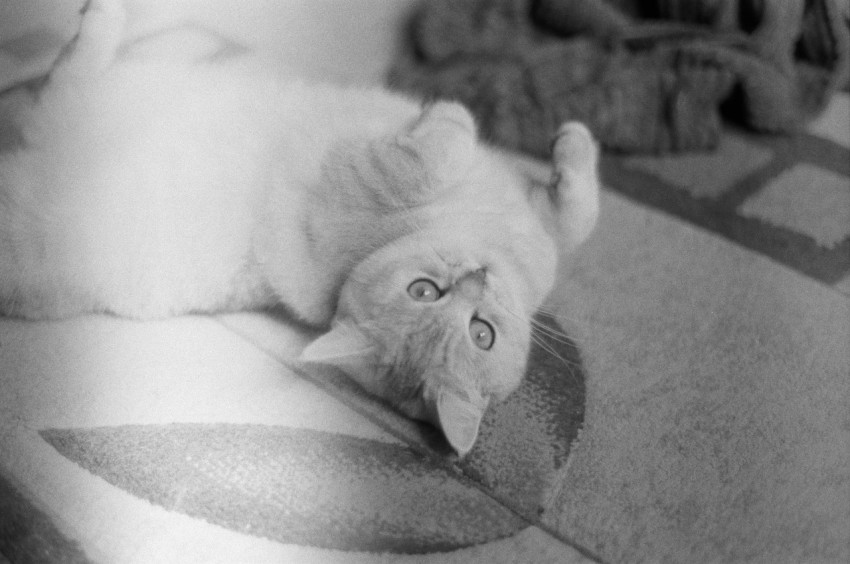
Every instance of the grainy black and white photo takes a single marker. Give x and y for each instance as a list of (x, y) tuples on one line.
[(424, 281)]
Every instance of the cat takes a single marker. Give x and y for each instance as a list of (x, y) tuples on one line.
[(148, 188)]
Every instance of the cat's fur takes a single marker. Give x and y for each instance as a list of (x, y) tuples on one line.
[(147, 189)]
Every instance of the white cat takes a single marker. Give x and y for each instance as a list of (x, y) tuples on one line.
[(147, 188)]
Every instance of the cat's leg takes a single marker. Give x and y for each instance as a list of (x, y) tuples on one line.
[(32, 308), (28, 289), (574, 192), (94, 47)]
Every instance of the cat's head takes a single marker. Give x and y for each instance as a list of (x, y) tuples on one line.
[(436, 332), (437, 321)]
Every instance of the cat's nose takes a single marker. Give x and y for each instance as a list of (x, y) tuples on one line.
[(471, 285)]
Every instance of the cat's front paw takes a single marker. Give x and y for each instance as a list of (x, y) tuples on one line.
[(574, 148), (576, 183)]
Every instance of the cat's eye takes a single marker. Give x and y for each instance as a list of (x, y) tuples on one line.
[(482, 334), (424, 290)]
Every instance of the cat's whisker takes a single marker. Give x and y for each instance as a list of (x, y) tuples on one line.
[(557, 312), (570, 366), (574, 342), (546, 326), (562, 340), (548, 348), (560, 333), (552, 312), (545, 332), (553, 334), (541, 333)]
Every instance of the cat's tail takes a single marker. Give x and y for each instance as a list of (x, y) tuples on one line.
[(95, 46)]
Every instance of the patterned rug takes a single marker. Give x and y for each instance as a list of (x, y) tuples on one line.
[(783, 196)]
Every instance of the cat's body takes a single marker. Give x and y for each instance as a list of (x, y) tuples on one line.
[(148, 189), (142, 193)]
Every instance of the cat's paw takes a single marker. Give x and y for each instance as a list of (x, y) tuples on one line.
[(452, 114), (574, 149), (576, 183)]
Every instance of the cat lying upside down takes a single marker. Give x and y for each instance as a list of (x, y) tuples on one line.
[(148, 188)]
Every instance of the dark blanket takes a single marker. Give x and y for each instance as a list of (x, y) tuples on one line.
[(645, 75)]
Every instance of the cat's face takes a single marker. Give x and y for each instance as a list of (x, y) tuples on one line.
[(435, 331), (437, 321)]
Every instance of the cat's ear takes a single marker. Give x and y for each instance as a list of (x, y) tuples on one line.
[(344, 346), (460, 419), (445, 137)]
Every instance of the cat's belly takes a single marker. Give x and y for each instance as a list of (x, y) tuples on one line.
[(304, 284), (179, 273), (101, 284), (133, 263)]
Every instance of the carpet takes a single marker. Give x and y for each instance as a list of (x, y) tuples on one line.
[(697, 412)]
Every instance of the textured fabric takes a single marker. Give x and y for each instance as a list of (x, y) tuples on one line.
[(524, 67)]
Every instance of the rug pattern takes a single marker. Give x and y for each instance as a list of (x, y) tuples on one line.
[(787, 197), (309, 487)]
